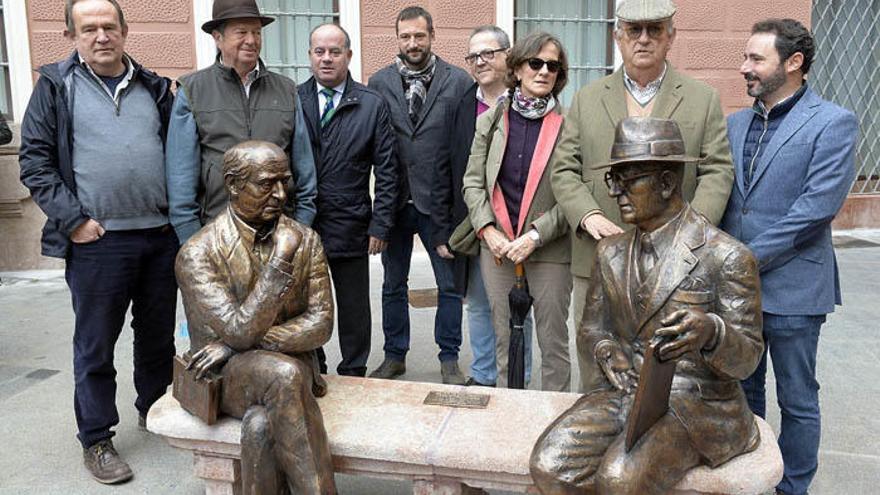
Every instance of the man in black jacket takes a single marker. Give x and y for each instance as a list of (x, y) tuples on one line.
[(92, 155), (419, 87), (350, 131)]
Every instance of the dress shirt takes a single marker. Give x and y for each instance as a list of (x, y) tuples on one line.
[(322, 100)]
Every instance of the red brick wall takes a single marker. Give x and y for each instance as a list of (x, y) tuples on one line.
[(160, 34), (453, 22), (711, 37)]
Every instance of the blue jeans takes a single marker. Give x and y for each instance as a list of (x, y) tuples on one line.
[(395, 299), (792, 342), (481, 331), (133, 267)]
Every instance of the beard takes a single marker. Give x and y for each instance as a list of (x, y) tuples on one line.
[(767, 85), (416, 57)]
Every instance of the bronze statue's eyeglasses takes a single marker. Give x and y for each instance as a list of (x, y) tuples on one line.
[(634, 31), (536, 64), (485, 55), (613, 179)]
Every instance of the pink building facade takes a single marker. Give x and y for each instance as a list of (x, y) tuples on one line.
[(164, 35)]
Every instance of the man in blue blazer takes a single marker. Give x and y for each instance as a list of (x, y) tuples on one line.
[(794, 156)]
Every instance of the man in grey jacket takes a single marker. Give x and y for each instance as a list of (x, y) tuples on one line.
[(419, 87), (92, 157)]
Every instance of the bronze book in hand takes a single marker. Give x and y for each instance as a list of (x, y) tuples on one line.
[(201, 398), (652, 395)]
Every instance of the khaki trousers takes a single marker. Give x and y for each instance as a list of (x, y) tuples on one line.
[(550, 286)]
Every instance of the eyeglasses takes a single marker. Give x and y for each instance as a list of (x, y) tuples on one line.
[(634, 31), (485, 55), (536, 64), (615, 179)]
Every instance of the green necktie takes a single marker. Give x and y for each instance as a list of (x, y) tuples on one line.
[(329, 110)]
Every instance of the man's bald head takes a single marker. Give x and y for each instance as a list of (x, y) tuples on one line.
[(329, 28), (241, 160)]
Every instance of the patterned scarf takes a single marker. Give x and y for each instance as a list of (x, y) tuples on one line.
[(417, 81), (530, 107)]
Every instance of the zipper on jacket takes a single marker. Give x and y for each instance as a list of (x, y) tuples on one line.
[(766, 119), (245, 101)]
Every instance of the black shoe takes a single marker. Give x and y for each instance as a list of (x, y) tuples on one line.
[(104, 463), (471, 382), (389, 369), (451, 374)]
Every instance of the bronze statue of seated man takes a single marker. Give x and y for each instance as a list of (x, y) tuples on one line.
[(680, 283), (256, 290)]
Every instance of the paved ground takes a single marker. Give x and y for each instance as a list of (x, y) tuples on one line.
[(39, 453)]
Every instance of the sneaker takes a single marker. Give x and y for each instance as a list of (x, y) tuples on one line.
[(471, 382), (389, 369), (451, 374), (104, 463)]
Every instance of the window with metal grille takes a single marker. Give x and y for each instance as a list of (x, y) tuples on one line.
[(583, 26), (286, 41), (846, 70), (5, 91)]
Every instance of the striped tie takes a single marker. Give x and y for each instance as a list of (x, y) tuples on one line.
[(328, 107)]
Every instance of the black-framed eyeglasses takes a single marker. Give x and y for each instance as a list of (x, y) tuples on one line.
[(536, 64), (485, 55), (654, 30), (615, 179)]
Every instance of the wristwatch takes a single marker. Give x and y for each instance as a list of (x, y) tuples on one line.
[(535, 236)]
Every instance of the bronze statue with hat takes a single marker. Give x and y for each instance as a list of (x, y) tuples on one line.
[(673, 319), (646, 84)]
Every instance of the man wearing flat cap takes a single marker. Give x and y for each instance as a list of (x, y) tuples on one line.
[(646, 85), (236, 99), (681, 285)]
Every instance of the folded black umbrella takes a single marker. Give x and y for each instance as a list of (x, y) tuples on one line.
[(520, 302)]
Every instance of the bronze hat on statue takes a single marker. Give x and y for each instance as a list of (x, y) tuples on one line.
[(225, 10), (648, 139)]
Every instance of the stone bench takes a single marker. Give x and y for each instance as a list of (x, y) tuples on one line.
[(381, 428)]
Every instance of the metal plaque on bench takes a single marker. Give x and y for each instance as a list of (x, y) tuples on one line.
[(453, 399)]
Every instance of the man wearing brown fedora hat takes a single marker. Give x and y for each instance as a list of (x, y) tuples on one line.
[(685, 289), (236, 99), (646, 85)]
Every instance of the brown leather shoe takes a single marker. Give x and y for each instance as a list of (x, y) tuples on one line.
[(389, 369), (104, 463)]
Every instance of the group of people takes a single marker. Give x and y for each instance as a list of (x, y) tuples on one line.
[(485, 165)]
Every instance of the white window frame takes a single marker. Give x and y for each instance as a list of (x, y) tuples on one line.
[(18, 52), (504, 13), (349, 19)]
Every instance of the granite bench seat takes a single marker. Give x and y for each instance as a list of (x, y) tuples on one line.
[(381, 428)]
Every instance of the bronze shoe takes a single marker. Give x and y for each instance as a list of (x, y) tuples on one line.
[(104, 463), (389, 369)]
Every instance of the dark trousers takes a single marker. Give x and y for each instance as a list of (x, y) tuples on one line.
[(351, 284), (124, 267), (792, 342), (395, 299)]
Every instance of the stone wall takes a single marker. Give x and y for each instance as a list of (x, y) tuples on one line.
[(453, 22), (160, 34), (712, 35)]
